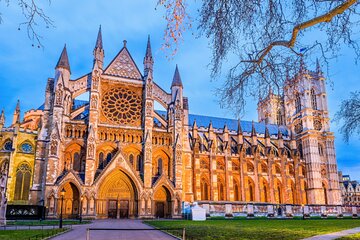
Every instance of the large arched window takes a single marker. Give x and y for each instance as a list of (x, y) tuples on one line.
[(313, 99), (236, 191), (108, 158), (131, 159), (76, 163), (22, 183), (160, 166), (321, 150), (221, 191), (297, 103), (101, 160), (204, 190), (139, 163)]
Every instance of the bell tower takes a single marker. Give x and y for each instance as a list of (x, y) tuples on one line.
[(307, 116)]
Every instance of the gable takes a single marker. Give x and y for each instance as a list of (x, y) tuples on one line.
[(124, 66)]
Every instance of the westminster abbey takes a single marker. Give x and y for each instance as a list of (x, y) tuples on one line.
[(115, 156)]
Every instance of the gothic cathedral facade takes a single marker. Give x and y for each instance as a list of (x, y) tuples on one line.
[(115, 156)]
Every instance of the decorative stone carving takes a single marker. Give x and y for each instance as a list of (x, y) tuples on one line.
[(94, 102)]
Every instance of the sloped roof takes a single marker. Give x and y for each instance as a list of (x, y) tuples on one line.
[(232, 124)]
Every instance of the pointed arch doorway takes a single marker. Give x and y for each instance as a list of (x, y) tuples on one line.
[(163, 203), (118, 197)]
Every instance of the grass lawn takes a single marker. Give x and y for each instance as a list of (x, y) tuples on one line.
[(45, 222), (351, 237), (28, 234), (257, 228)]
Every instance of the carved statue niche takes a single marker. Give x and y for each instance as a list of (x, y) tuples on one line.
[(59, 96), (53, 147), (94, 102), (149, 107), (91, 150), (149, 88)]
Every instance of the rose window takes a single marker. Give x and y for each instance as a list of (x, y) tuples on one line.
[(122, 106)]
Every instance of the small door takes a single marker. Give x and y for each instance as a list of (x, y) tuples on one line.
[(124, 209), (160, 210), (112, 210)]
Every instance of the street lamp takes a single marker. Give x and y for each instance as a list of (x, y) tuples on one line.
[(62, 193), (81, 200)]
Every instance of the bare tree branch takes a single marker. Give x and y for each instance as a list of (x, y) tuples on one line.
[(34, 16)]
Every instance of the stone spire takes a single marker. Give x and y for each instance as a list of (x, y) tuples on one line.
[(16, 116), (63, 60), (253, 131), (148, 59), (318, 67), (99, 51), (177, 79), (99, 42)]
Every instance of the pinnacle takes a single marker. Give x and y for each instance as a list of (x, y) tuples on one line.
[(99, 42), (17, 109), (148, 49), (253, 131), (177, 79), (63, 60)]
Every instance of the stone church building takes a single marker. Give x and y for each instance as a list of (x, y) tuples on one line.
[(115, 156)]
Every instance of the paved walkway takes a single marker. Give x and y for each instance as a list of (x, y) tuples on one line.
[(335, 235), (79, 231)]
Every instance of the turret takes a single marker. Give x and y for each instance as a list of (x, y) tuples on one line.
[(16, 116), (99, 53), (148, 59), (63, 65)]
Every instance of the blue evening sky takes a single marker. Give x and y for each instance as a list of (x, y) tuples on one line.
[(24, 69)]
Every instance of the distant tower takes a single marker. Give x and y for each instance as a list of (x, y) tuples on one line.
[(271, 109), (308, 118)]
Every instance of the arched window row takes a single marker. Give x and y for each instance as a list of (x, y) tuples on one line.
[(161, 165), (104, 159), (75, 160), (136, 161), (161, 140), (121, 137), (75, 132)]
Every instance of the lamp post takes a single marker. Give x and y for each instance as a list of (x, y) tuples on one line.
[(62, 193), (303, 208), (81, 200)]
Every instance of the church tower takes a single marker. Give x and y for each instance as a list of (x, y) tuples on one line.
[(271, 109), (307, 117)]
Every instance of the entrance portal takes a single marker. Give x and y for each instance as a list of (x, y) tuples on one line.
[(162, 200), (70, 208), (117, 196)]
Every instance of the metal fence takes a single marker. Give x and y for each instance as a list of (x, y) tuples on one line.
[(177, 233)]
